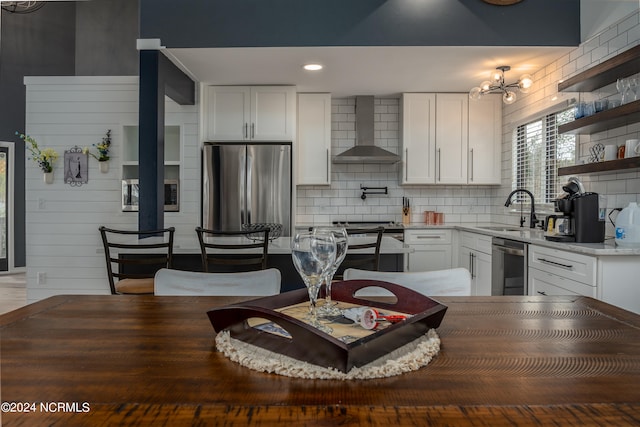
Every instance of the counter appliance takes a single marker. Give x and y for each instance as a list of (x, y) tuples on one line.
[(246, 184), (579, 220)]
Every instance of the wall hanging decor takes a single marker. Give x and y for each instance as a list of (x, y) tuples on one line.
[(76, 166), (103, 152), (45, 158)]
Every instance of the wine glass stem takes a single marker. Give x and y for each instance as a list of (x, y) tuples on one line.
[(313, 297), (327, 297)]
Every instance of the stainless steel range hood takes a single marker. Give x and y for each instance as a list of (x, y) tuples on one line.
[(365, 151)]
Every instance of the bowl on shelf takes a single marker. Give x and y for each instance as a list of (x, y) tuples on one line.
[(275, 230)]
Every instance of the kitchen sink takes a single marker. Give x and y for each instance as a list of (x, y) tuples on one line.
[(504, 228)]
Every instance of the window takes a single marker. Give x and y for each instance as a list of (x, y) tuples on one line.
[(538, 152)]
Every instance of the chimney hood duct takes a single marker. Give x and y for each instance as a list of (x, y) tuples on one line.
[(365, 151)]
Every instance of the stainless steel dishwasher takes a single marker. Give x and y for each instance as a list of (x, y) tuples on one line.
[(508, 267)]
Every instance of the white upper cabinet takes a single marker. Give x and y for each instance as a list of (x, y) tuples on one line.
[(249, 113), (418, 135), (452, 133), (485, 140), (314, 139), (447, 139)]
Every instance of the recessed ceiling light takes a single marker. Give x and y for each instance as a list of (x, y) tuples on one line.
[(312, 67)]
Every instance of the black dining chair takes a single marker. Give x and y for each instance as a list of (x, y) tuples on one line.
[(233, 251), (133, 257), (363, 261)]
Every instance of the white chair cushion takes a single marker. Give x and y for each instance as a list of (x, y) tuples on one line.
[(251, 283), (455, 281)]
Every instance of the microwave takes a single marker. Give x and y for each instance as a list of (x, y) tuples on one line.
[(131, 191)]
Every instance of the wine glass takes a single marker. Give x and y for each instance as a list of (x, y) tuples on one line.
[(311, 269), (340, 236)]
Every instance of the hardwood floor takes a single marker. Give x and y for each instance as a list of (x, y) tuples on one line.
[(13, 291)]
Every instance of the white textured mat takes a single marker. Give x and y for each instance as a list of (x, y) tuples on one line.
[(410, 357)]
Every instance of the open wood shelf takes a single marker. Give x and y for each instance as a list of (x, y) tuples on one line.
[(604, 120), (610, 165), (625, 64)]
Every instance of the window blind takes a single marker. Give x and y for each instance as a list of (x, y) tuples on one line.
[(538, 152)]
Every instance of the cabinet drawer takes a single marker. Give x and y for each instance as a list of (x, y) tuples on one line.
[(427, 237), (543, 283), (581, 268)]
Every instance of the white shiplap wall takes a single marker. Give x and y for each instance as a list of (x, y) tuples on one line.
[(62, 221)]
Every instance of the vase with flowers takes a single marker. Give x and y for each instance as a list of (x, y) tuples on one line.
[(103, 152), (45, 158)]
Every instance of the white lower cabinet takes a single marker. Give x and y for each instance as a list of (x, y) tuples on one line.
[(432, 250), (543, 283), (555, 272), (475, 256)]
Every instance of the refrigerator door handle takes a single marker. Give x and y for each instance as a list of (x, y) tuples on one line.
[(244, 185), (248, 196)]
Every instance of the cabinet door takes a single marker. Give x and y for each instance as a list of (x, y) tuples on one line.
[(479, 266), (481, 274), (418, 115), (314, 138), (227, 113), (452, 112), (429, 258), (272, 113), (485, 140)]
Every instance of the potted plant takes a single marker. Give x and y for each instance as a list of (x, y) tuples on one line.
[(103, 152), (44, 158)]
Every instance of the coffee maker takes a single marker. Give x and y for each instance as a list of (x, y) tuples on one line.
[(579, 219)]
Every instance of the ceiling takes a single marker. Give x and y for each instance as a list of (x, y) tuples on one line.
[(380, 71)]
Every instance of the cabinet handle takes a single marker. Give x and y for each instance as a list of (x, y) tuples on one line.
[(246, 130), (542, 293), (253, 130), (427, 237), (439, 175), (406, 164), (328, 165), (472, 164), (473, 259), (569, 266)]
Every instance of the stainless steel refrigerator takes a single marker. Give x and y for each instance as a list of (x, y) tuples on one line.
[(246, 184)]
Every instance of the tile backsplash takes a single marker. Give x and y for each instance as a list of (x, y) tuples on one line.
[(342, 201)]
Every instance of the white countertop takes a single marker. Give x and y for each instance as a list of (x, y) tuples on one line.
[(536, 237)]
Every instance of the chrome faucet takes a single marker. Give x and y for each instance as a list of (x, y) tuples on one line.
[(532, 215)]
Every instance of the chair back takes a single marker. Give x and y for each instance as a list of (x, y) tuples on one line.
[(369, 259), (145, 252), (249, 283), (455, 281), (233, 251)]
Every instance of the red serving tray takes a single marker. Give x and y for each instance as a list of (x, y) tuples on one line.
[(311, 345)]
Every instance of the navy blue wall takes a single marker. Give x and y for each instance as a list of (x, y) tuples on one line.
[(242, 23)]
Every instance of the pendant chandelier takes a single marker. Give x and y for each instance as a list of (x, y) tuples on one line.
[(497, 85), (21, 6)]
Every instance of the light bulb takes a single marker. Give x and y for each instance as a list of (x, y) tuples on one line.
[(509, 97), (312, 67), (525, 83), (496, 76), (475, 93), (485, 85)]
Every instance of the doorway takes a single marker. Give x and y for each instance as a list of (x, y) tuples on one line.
[(6, 186)]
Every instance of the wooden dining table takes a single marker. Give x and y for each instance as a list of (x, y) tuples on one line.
[(148, 361)]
